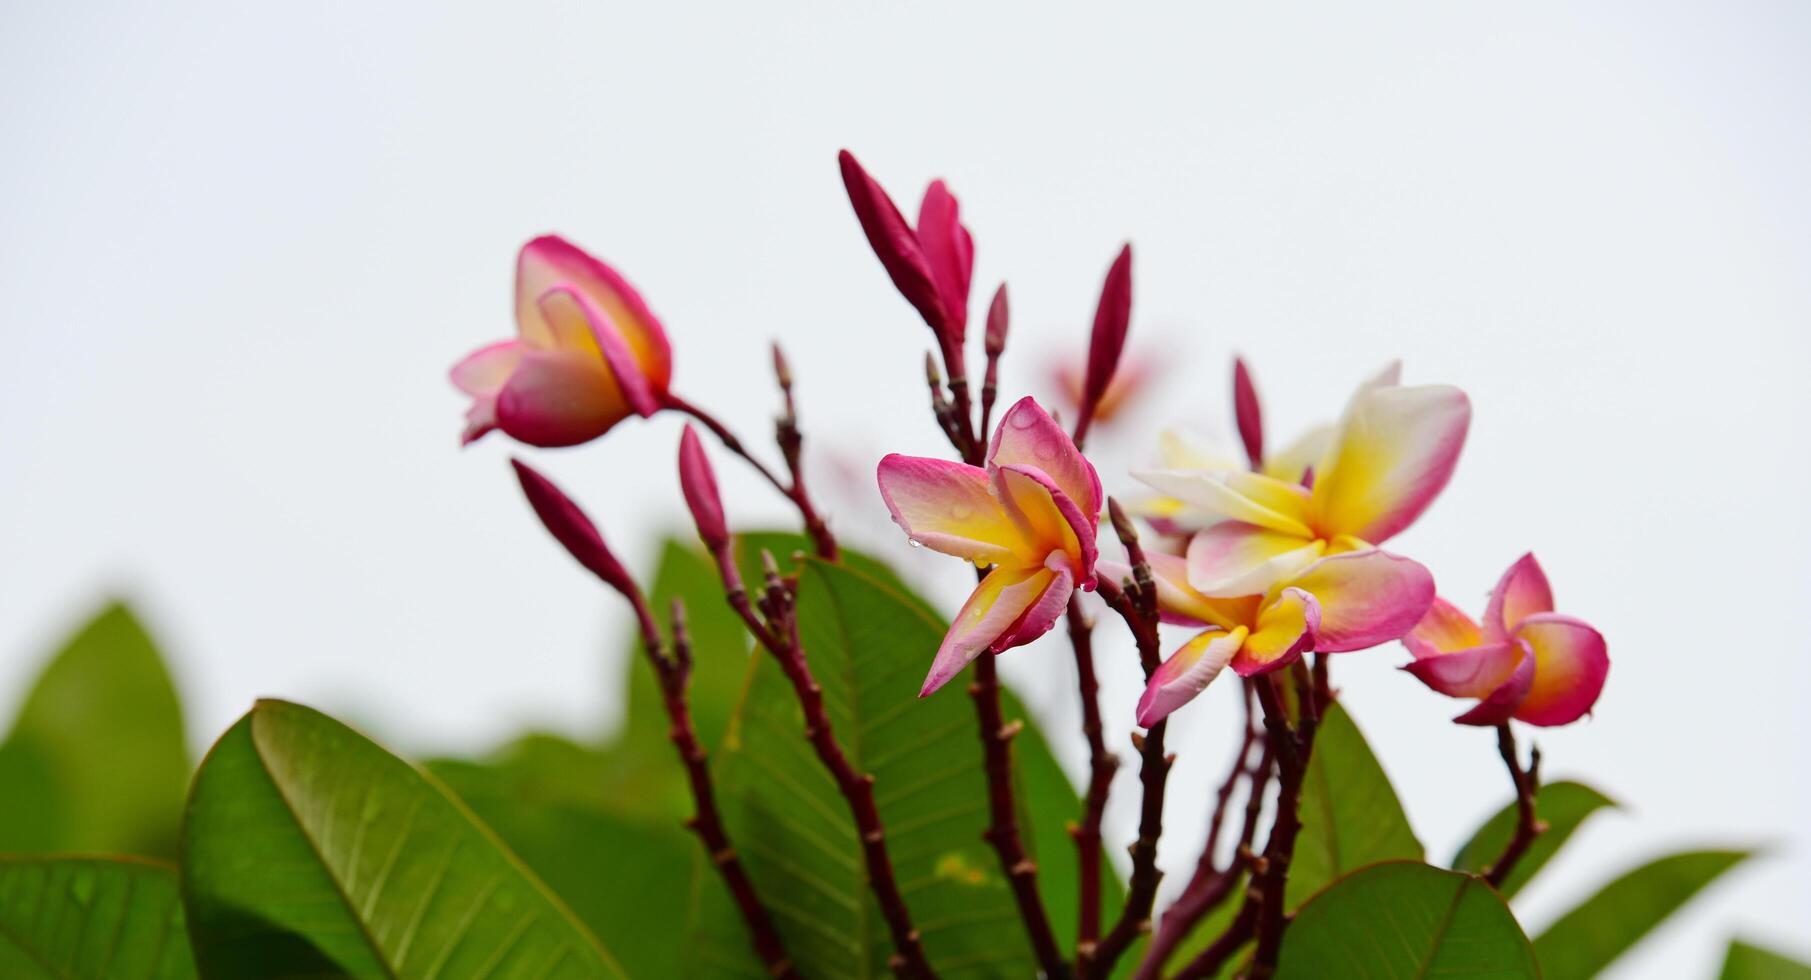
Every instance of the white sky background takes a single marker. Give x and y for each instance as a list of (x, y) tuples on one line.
[(241, 243)]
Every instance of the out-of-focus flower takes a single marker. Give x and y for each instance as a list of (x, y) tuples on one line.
[(1526, 662), (1341, 603), (930, 265), (589, 353), (1031, 515), (1392, 452), (1137, 370)]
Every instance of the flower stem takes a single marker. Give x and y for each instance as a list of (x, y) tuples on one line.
[(779, 636), (1527, 825), (1003, 831), (1101, 768), (1293, 744)]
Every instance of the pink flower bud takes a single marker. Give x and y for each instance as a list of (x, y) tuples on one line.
[(572, 529), (895, 244), (950, 252), (1112, 318), (997, 318), (699, 484), (1250, 415)]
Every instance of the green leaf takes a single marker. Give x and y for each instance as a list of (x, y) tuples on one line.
[(1562, 805), (868, 646), (1409, 920), (585, 851), (1593, 935), (309, 850), (1351, 817), (104, 719), (90, 918), (1746, 962)]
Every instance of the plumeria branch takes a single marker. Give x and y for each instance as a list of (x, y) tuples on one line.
[(580, 536), (1293, 743), (1211, 884), (776, 628), (1102, 765), (1528, 826), (1136, 602)]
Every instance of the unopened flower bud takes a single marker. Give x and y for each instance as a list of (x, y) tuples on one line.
[(1248, 412), (1112, 318), (997, 318), (698, 483), (894, 243), (572, 529)]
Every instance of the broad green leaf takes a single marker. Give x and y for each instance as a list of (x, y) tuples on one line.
[(1351, 817), (1562, 805), (1210, 929), (868, 647), (585, 851), (26, 773), (105, 719), (309, 850), (1591, 936), (1409, 920), (89, 919), (1748, 962)]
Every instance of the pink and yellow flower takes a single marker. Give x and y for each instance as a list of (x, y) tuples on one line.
[(589, 353), (1031, 515), (1525, 662), (1392, 452), (1341, 603)]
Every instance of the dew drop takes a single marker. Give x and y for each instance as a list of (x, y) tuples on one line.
[(1045, 450), (1024, 420), (914, 542), (961, 512), (81, 887)]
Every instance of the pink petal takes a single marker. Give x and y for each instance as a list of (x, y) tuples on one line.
[(1501, 703), (1393, 453), (1571, 661), (1047, 517), (1293, 461), (1233, 559), (895, 244), (1523, 590), (565, 309), (1285, 630), (1469, 673), (1177, 602), (1366, 598), (1002, 607), (1028, 436), (551, 261), (1249, 413), (482, 374), (1112, 320), (948, 251), (948, 507), (1187, 673), (1445, 629), (559, 399), (1042, 614)]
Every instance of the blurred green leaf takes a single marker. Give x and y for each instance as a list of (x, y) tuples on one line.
[(104, 721), (1591, 936), (1563, 806), (90, 918), (1408, 920), (1209, 929), (868, 646), (1351, 817), (586, 853), (309, 850), (1748, 962)]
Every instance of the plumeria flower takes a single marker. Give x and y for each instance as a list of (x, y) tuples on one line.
[(1346, 602), (1030, 515), (1526, 662), (1392, 452), (589, 353)]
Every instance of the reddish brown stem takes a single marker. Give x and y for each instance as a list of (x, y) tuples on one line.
[(779, 636), (1212, 884), (674, 674), (1102, 765), (1003, 829), (822, 541), (1136, 603), (1527, 825), (1293, 744), (1215, 955)]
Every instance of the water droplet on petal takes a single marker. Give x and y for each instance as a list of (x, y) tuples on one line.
[(914, 542), (1023, 419), (1046, 450)]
